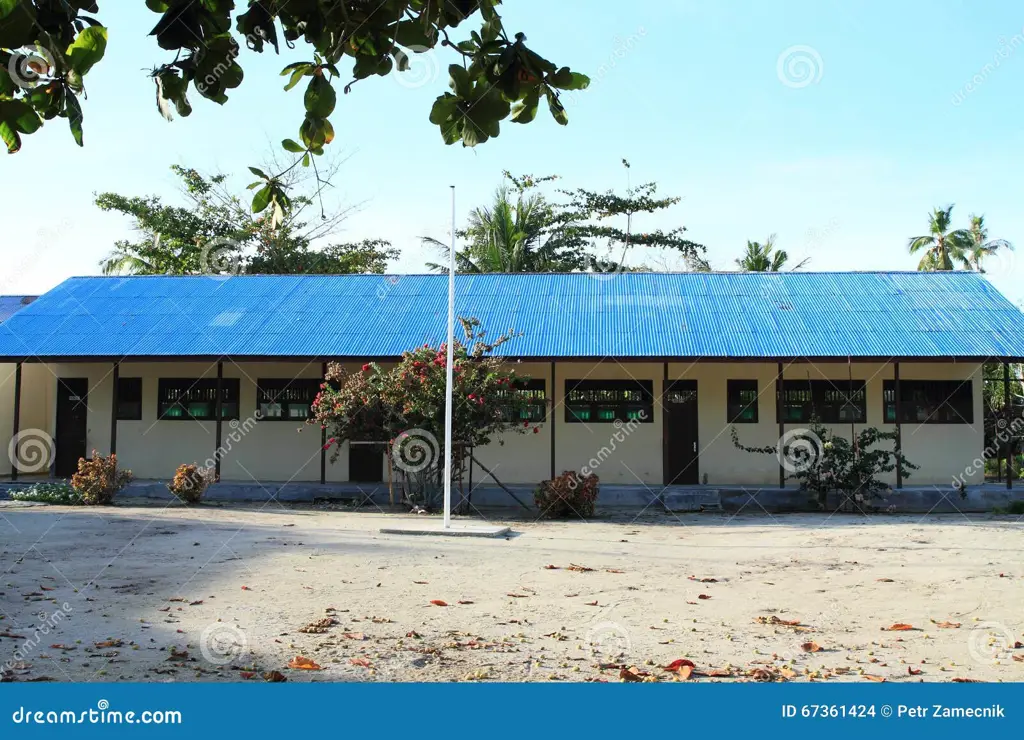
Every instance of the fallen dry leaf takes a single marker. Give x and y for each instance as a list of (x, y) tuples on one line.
[(685, 672), (303, 663), (579, 568), (703, 580), (787, 672), (551, 567), (518, 596), (438, 602), (195, 603), (464, 601), (110, 644), (898, 627), (613, 570), (772, 619), (914, 671), (246, 588), (720, 673), (632, 674), (422, 583), (1019, 658), (675, 665), (359, 661), (274, 677), (946, 625), (876, 679), (590, 603), (704, 596), (354, 635), (810, 647), (967, 680), (885, 580), (247, 674)]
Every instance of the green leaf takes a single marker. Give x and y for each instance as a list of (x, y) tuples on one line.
[(525, 110), (293, 146), (564, 79), (297, 74), (73, 110), (444, 108), (20, 116), (17, 26), (320, 97), (87, 49), (460, 81), (10, 137), (557, 110), (258, 172), (261, 200)]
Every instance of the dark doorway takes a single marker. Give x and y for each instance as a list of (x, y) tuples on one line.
[(365, 463), (681, 446), (72, 425)]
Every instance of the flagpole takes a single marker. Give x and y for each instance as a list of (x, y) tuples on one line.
[(448, 382)]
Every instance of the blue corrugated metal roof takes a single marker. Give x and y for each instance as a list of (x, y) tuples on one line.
[(712, 315), (9, 304)]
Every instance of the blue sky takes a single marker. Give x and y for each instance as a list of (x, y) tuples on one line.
[(843, 166)]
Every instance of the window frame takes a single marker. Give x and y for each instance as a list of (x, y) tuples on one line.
[(947, 389), (196, 386), (134, 383), (535, 391), (621, 408), (302, 390), (812, 398), (734, 409)]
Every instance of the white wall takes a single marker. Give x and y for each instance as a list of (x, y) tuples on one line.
[(276, 451)]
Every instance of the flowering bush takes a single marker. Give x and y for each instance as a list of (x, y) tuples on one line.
[(406, 405), (190, 482), (570, 494), (60, 493), (98, 479)]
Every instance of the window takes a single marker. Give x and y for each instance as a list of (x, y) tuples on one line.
[(286, 400), (532, 392), (742, 401), (828, 401), (197, 398), (930, 401), (129, 399), (608, 401)]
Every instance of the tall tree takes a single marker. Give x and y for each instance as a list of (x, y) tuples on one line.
[(216, 234), (510, 235), (48, 47), (942, 246), (981, 247), (765, 257), (585, 231)]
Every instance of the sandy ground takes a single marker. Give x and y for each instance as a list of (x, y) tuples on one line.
[(220, 594)]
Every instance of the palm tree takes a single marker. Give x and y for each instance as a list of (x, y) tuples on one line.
[(765, 257), (942, 247), (507, 236), (981, 246)]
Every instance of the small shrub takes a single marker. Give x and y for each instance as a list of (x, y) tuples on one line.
[(570, 494), (60, 494), (1016, 508), (98, 479), (190, 482)]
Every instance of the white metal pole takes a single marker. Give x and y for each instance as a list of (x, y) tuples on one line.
[(448, 384)]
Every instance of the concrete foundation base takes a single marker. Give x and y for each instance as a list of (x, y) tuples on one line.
[(456, 530)]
